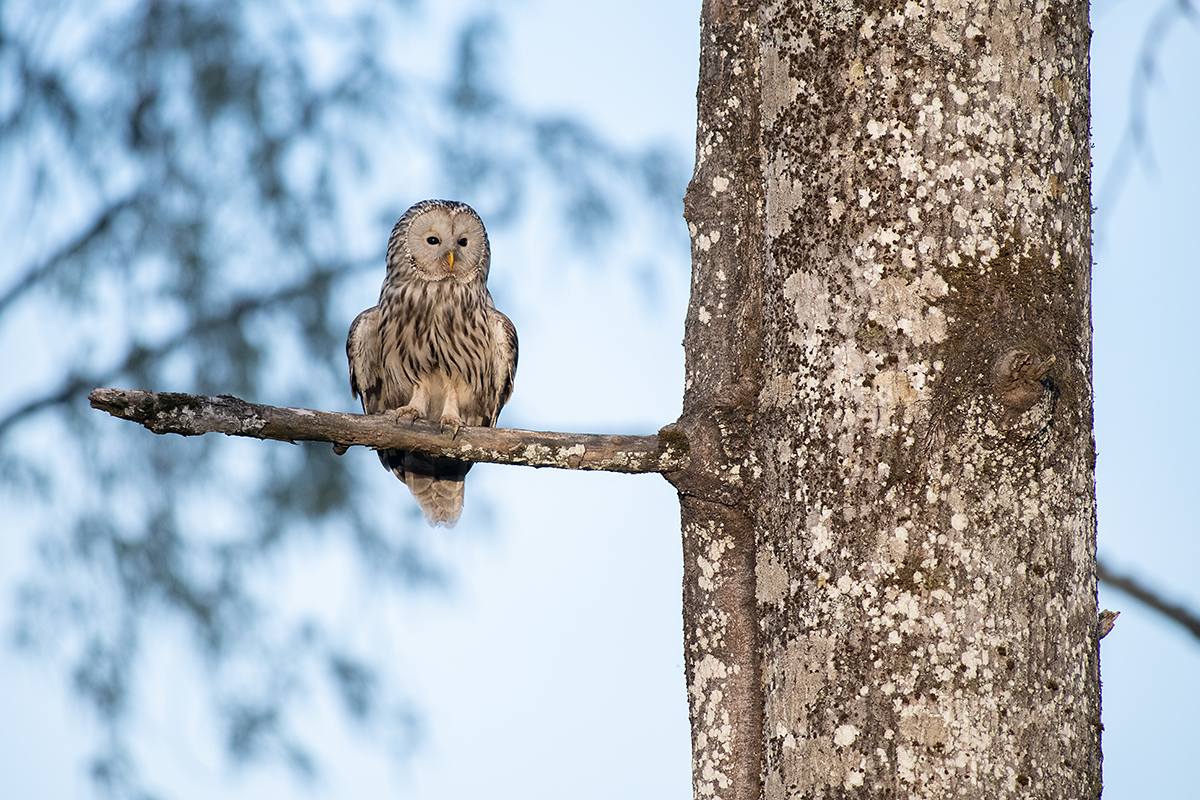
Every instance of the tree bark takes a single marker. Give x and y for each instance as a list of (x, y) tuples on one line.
[(723, 345), (889, 403)]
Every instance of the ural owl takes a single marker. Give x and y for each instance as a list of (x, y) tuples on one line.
[(434, 347)]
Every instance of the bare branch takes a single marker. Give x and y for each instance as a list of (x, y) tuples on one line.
[(1137, 591), (191, 415)]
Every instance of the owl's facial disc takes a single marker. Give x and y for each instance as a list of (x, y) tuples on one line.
[(447, 246)]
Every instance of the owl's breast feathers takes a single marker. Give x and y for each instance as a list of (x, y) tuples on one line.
[(433, 335)]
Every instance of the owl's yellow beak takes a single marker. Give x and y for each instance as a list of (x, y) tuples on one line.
[(450, 258)]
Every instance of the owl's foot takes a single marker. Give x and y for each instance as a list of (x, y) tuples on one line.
[(451, 423), (411, 413)]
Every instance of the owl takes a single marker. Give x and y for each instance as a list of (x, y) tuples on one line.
[(434, 347)]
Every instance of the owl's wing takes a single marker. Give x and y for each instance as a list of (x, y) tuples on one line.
[(364, 352), (504, 359)]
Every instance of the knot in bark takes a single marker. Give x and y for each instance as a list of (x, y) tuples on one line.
[(1019, 377)]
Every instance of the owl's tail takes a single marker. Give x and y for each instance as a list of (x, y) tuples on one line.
[(436, 483)]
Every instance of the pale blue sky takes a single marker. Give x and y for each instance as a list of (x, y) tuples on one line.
[(1146, 288), (555, 669)]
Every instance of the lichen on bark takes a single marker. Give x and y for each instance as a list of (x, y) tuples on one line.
[(926, 541)]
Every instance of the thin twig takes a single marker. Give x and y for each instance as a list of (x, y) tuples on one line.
[(1107, 620), (1137, 591), (1134, 141), (100, 225), (191, 415)]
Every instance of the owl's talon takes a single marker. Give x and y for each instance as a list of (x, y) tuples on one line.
[(452, 424), (411, 413)]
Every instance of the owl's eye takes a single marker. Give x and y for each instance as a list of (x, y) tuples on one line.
[(432, 240), (462, 242)]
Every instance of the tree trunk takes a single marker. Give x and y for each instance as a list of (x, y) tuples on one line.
[(889, 517)]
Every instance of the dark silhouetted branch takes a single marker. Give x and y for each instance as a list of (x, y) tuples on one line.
[(1137, 591), (191, 415)]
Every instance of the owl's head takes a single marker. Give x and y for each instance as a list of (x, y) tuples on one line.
[(440, 240)]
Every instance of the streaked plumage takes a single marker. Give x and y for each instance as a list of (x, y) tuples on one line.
[(434, 347)]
